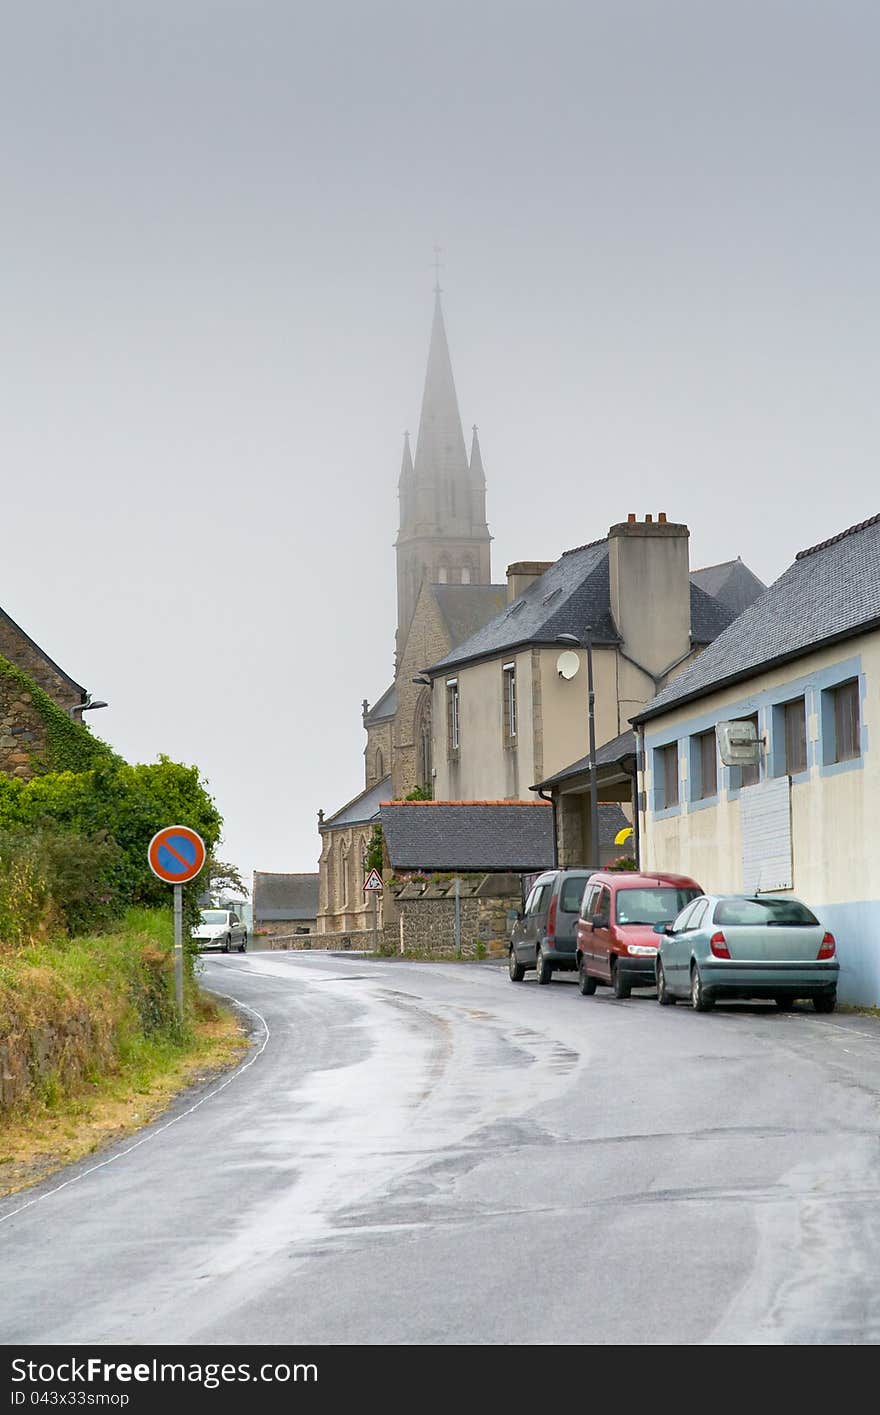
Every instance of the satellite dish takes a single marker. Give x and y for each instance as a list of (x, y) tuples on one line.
[(567, 664)]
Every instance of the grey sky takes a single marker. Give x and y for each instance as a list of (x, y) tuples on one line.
[(659, 224)]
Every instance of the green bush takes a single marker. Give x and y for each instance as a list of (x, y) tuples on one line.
[(52, 878)]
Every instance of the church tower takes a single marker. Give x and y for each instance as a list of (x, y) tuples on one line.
[(443, 536)]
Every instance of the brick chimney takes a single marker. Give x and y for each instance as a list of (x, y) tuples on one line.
[(524, 573), (651, 589)]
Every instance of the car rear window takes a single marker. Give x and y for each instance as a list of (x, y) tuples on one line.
[(572, 893), (651, 906), (781, 912)]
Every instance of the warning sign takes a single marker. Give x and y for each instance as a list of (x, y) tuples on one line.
[(373, 881)]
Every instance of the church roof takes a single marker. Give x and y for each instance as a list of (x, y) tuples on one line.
[(384, 709), (285, 896), (830, 593), (466, 608), (575, 591), (362, 809), (732, 582)]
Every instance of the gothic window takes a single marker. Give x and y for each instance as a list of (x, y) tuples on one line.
[(466, 573), (443, 573), (380, 766)]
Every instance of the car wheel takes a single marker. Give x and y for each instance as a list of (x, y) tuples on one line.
[(826, 1001), (664, 996), (226, 942), (620, 983), (545, 970), (243, 945), (516, 971), (586, 983), (700, 1001)]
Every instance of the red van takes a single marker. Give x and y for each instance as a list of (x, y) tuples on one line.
[(616, 942)]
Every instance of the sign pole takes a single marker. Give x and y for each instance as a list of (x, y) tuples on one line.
[(457, 917), (178, 948), (375, 893)]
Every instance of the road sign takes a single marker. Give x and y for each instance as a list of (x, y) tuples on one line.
[(373, 881), (176, 854)]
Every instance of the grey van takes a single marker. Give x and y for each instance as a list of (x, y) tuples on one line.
[(544, 936)]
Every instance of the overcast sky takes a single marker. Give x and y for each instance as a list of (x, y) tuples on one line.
[(659, 221)]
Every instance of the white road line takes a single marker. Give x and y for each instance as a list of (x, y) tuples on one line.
[(162, 1128)]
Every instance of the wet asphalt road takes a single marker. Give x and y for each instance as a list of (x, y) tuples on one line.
[(431, 1154)]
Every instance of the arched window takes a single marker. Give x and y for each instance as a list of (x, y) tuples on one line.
[(380, 766), (465, 574), (443, 573)]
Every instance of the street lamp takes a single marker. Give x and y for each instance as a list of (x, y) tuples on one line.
[(587, 643), (89, 705)]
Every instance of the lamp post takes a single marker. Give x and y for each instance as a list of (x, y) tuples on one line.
[(587, 644)]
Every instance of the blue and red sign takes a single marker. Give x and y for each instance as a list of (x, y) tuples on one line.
[(176, 854)]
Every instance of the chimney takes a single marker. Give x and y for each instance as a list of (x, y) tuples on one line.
[(650, 587), (524, 573)]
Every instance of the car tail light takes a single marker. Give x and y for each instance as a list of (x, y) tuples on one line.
[(827, 947), (718, 945), (551, 917)]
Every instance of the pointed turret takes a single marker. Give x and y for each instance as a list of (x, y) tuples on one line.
[(478, 476), (406, 464)]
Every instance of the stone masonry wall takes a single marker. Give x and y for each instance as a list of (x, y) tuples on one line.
[(22, 731), (15, 646), (425, 928)]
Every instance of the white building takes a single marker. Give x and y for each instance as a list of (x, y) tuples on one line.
[(803, 663)]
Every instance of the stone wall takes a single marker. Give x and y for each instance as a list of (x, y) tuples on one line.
[(23, 732), (285, 927), (358, 939), (17, 647), (425, 922)]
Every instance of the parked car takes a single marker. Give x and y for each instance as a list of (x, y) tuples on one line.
[(220, 928), (544, 935), (747, 946), (616, 943)]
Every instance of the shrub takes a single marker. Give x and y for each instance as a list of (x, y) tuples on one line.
[(55, 879)]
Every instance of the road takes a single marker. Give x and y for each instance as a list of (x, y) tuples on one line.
[(431, 1154)]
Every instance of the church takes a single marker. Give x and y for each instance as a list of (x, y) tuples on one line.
[(488, 701), (445, 595)]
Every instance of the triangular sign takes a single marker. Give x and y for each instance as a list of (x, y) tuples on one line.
[(372, 881)]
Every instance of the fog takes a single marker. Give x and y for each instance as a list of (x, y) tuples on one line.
[(658, 228)]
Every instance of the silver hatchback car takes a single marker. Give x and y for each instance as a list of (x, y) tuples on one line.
[(746, 946), (220, 928)]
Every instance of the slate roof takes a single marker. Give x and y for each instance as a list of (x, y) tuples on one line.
[(363, 808), (609, 754), (831, 592), (574, 592), (384, 709), (468, 835), (732, 582), (285, 896)]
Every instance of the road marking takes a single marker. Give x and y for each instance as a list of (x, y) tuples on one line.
[(162, 1128)]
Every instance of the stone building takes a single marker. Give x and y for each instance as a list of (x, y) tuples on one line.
[(444, 595), (285, 903), (24, 732)]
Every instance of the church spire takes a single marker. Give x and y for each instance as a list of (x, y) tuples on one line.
[(443, 536), (441, 459)]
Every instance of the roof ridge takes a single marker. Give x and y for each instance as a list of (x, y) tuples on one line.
[(588, 546), (465, 803), (841, 535)]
